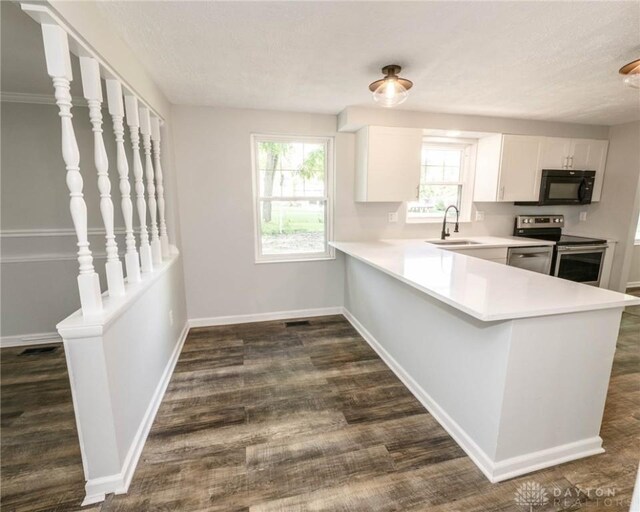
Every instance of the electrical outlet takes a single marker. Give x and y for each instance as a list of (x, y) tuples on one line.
[(393, 216), (583, 216), (171, 318), (479, 215)]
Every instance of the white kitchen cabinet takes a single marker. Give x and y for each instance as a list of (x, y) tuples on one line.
[(555, 153), (507, 168), (591, 155), (497, 254), (576, 154), (388, 164)]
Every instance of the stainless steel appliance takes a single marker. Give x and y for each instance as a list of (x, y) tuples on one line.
[(536, 259), (575, 258), (561, 186)]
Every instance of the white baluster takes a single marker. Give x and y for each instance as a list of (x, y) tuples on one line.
[(145, 130), (56, 46), (155, 138), (92, 88), (116, 109), (133, 120)]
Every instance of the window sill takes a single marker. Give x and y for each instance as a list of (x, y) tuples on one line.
[(297, 259)]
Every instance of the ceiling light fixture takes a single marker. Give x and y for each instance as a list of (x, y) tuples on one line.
[(631, 74), (392, 89)]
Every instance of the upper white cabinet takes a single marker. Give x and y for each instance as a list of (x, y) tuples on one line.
[(387, 164), (576, 154), (555, 153), (508, 168)]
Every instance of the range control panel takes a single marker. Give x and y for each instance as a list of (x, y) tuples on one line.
[(539, 221)]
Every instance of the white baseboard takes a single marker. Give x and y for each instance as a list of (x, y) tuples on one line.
[(633, 284), (516, 466), (494, 471), (26, 340), (264, 317), (97, 488)]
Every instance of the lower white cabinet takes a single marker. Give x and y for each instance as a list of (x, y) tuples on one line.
[(388, 164), (497, 254)]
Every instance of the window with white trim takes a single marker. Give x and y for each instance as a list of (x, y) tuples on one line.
[(444, 181), (292, 186)]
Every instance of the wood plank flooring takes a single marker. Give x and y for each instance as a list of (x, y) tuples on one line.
[(264, 417)]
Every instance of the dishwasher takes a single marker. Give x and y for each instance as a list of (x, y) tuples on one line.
[(536, 259)]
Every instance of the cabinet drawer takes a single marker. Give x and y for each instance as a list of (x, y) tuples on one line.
[(486, 253)]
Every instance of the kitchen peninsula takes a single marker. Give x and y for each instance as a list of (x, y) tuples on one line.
[(515, 365)]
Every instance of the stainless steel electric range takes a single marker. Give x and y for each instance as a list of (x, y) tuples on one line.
[(575, 258)]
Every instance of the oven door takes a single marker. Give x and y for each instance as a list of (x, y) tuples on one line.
[(582, 264)]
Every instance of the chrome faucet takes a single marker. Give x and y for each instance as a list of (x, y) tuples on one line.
[(445, 230)]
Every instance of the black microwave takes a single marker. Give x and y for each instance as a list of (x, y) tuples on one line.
[(561, 186)]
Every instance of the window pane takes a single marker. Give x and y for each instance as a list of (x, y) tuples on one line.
[(289, 169), (434, 199), (451, 174), (292, 226), (433, 173)]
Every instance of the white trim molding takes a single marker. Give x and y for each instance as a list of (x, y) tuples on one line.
[(264, 317), (27, 340), (36, 99), (97, 488), (633, 284), (29, 233)]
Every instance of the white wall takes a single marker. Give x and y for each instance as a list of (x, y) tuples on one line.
[(634, 271), (38, 286), (213, 163), (34, 199)]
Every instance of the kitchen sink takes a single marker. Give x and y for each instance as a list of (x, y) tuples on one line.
[(453, 242)]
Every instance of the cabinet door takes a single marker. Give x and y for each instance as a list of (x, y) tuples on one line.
[(579, 154), (596, 161), (393, 164), (555, 153), (519, 168)]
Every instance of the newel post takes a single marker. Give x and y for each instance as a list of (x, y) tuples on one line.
[(92, 88), (56, 47), (155, 138), (145, 130), (133, 121)]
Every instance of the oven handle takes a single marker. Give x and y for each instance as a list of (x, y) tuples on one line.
[(582, 248)]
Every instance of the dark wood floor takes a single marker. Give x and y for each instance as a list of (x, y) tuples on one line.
[(265, 417)]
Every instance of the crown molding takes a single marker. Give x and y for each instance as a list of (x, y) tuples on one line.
[(37, 99)]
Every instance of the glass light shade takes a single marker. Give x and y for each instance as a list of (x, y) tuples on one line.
[(633, 79), (390, 93)]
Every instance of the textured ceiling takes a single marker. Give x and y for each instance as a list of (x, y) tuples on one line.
[(539, 60), (536, 60)]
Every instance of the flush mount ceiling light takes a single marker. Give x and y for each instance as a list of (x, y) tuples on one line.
[(631, 74), (392, 89)]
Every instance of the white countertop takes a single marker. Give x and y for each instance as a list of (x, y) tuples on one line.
[(483, 289)]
